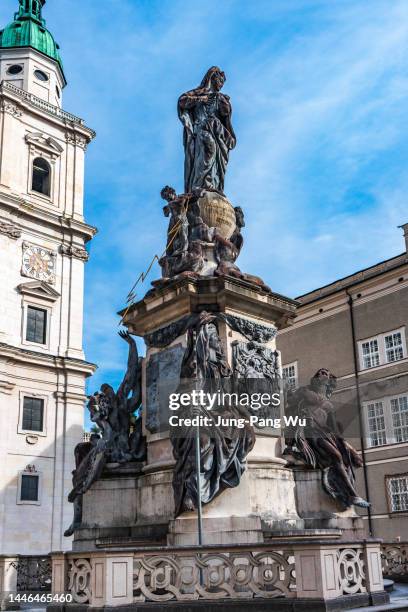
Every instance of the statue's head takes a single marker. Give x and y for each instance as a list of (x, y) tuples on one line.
[(213, 338), (239, 217), (168, 193), (324, 381), (214, 78)]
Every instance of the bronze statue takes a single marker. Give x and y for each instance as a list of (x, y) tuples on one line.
[(81, 452), (223, 449), (184, 256), (320, 444), (118, 419), (227, 252), (177, 233), (208, 134)]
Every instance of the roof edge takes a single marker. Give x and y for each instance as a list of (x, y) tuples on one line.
[(353, 281)]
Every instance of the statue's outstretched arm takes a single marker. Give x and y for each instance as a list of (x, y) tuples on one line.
[(131, 377)]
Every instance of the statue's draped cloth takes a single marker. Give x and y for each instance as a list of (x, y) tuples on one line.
[(223, 449), (208, 137)]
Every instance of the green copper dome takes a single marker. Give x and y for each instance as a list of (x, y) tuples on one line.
[(28, 30)]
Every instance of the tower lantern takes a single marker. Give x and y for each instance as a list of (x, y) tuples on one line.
[(30, 9), (29, 56)]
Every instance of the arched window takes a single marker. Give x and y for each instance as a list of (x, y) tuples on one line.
[(41, 176)]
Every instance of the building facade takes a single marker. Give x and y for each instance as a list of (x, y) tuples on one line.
[(42, 257), (357, 328)]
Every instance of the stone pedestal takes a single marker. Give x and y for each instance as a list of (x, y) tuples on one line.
[(319, 511), (265, 497), (134, 503)]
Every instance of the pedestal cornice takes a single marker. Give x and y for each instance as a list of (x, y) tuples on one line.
[(218, 294)]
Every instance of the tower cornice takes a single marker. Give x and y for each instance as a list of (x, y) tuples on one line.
[(19, 209), (28, 101), (19, 355)]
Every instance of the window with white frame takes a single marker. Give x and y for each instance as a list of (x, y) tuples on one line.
[(398, 492), (387, 420), (33, 413), (376, 424), (399, 414), (290, 374), (29, 486), (36, 324), (393, 347), (382, 349), (371, 355)]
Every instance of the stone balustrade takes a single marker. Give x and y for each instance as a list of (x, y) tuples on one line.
[(298, 570), (39, 103), (394, 556)]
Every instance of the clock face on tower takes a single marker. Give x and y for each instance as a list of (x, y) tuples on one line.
[(38, 263)]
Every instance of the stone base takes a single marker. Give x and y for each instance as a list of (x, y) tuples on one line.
[(139, 507), (319, 511), (132, 504), (225, 530), (278, 604)]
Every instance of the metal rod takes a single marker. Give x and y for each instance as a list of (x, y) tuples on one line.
[(360, 415), (198, 472)]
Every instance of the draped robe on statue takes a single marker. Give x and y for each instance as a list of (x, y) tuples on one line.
[(208, 135), (223, 450)]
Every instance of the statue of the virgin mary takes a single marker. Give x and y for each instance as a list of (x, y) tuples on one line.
[(205, 113)]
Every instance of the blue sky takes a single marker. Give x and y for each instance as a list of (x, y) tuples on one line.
[(319, 92)]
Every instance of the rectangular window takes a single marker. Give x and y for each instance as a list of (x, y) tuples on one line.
[(33, 414), (399, 413), (393, 347), (36, 325), (376, 424), (371, 355), (382, 349), (290, 375), (398, 492), (29, 487)]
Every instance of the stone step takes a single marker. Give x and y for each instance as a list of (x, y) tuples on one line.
[(395, 606)]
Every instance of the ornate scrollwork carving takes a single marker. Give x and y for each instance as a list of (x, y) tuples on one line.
[(256, 368), (252, 360), (166, 335), (351, 571), (76, 140), (11, 109), (395, 559), (80, 580), (213, 576), (76, 252), (10, 230), (249, 329)]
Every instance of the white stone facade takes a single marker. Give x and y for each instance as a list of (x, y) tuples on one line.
[(50, 226)]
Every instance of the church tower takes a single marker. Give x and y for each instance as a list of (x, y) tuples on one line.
[(42, 257)]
